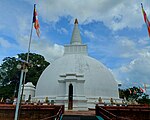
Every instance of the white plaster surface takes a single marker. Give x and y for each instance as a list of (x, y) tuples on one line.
[(89, 77)]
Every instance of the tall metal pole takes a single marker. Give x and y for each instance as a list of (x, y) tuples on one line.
[(29, 43), (27, 61), (19, 95), (29, 46), (23, 77)]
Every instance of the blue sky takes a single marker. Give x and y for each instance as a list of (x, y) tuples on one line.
[(114, 31)]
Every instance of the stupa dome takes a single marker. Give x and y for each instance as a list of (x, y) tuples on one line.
[(98, 79), (89, 78)]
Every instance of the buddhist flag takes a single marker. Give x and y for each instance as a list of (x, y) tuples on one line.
[(142, 90), (146, 86), (134, 92), (36, 22), (146, 20), (130, 91)]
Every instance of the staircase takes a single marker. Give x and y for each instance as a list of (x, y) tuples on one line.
[(79, 117)]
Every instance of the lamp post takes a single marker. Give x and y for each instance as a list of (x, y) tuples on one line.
[(16, 88), (23, 70)]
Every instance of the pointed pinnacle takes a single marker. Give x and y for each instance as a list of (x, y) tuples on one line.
[(76, 21)]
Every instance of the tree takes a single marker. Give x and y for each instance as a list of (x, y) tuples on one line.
[(10, 75), (8, 71), (134, 94), (144, 100)]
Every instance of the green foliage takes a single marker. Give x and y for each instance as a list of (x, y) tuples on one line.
[(134, 94), (38, 65), (10, 75), (8, 71), (122, 93), (144, 100), (7, 91)]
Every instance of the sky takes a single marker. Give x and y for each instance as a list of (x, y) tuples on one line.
[(114, 31)]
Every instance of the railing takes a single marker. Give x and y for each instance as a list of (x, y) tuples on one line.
[(107, 115), (57, 116), (104, 113)]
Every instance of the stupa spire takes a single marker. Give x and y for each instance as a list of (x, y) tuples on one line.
[(76, 21), (76, 38)]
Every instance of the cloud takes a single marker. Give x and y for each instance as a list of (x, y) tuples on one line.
[(125, 47), (115, 47), (16, 24), (136, 72), (49, 51), (4, 43), (131, 56), (46, 48), (89, 34), (13, 17), (62, 31), (114, 14)]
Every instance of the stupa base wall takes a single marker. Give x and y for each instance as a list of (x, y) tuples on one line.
[(79, 102)]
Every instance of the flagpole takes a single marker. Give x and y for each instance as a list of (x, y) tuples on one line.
[(27, 59), (19, 95), (29, 43), (146, 19), (28, 54), (145, 87), (23, 77)]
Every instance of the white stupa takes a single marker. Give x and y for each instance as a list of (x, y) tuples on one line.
[(76, 80)]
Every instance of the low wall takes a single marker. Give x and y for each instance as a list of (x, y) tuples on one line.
[(29, 112), (132, 112)]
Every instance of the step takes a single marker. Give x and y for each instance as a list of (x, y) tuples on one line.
[(78, 117)]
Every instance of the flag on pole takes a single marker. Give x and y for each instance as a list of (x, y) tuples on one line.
[(145, 87), (130, 91), (146, 19), (134, 92), (142, 90), (36, 22)]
